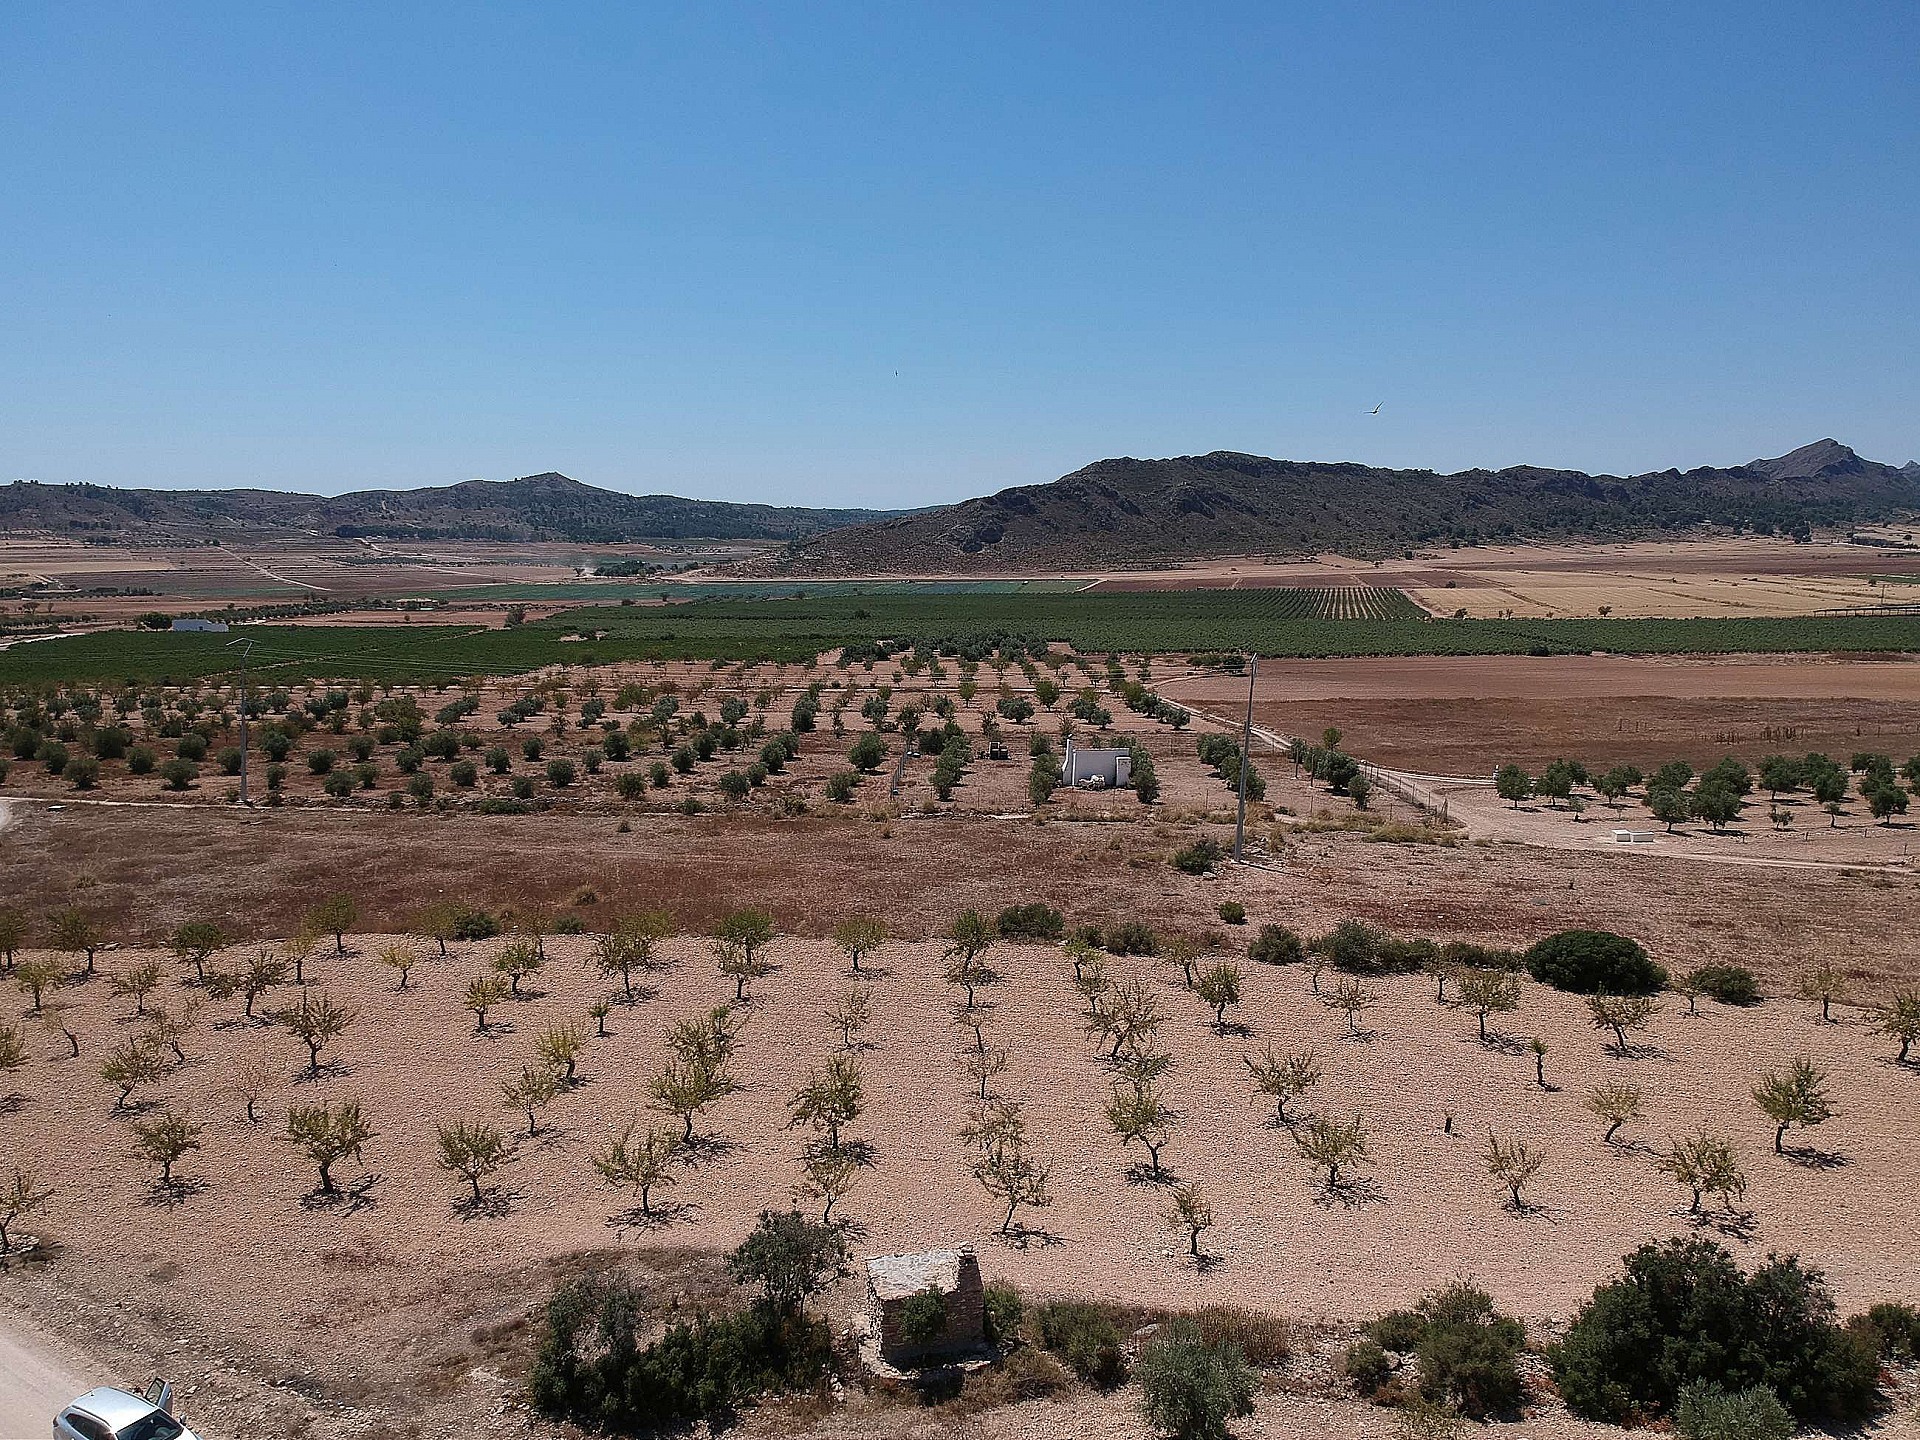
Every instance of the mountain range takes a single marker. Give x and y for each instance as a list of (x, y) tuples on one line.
[(1121, 512), (535, 507), (1129, 512)]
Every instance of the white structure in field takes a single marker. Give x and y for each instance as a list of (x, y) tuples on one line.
[(1096, 769), (1635, 837), (218, 627)]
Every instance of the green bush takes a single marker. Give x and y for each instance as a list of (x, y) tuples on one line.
[(589, 1368), (840, 786), (1467, 1353), (1595, 962), (1131, 937), (1199, 858), (631, 786), (923, 1317), (193, 746), (140, 760), (1729, 984), (1265, 1339), (1706, 1412), (83, 772), (867, 752), (1893, 1329), (1276, 945), (1232, 912), (179, 774), (1684, 1313), (1086, 1338), (560, 773), (1399, 1330), (1033, 921), (1366, 1364), (464, 773), (1006, 1308), (1191, 1388)]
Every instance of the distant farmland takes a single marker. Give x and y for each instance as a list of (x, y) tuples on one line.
[(1271, 622)]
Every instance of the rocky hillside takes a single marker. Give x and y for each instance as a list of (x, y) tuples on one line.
[(537, 507), (1143, 512)]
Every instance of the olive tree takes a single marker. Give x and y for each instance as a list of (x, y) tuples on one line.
[(329, 1133), (1191, 1387), (1281, 1077)]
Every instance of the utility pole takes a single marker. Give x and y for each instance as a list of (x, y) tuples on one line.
[(246, 649), (1246, 739)]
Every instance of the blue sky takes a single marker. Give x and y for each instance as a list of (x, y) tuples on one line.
[(895, 254)]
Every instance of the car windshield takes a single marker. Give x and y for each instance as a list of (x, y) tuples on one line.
[(157, 1426)]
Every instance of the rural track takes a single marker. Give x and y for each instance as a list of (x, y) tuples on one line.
[(38, 1375)]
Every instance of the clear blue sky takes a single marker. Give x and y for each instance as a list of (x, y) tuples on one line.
[(898, 253)]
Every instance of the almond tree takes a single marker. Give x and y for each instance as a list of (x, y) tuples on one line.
[(1182, 953), (985, 1065), (1137, 1112), (1796, 1097), (685, 1088), (829, 1099), (1705, 1164), (195, 942), (1826, 985), (1513, 1163), (1219, 986), (1325, 1141), (1899, 1019), (1090, 978), (559, 1049), (13, 1052), (131, 1065), (1621, 1013), (1486, 992), (483, 993), (850, 1013), (333, 916), (168, 1026), (969, 936), (329, 1134), (749, 930), (859, 936), (632, 945), (18, 1199), (472, 1150), (300, 947), (79, 932), (531, 1091), (136, 983), (54, 1017), (1353, 998), (164, 1140), (1281, 1077), (1615, 1104), (827, 1175), (1190, 1212), (250, 1082), (35, 975), (13, 934), (519, 958), (400, 958), (263, 972), (440, 922), (1133, 1018), (642, 1163), (316, 1021), (997, 1132)]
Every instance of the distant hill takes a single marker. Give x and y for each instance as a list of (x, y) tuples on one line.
[(536, 507), (1141, 512)]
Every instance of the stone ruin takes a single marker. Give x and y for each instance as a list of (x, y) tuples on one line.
[(954, 1275)]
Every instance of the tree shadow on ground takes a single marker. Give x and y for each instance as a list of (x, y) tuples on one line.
[(1809, 1158), (165, 1194), (1027, 1237), (1235, 1028), (1206, 1263), (1500, 1042), (658, 1216), (492, 1202), (1351, 1193), (326, 1070), (347, 1199), (1362, 1036), (707, 1150), (1142, 1173), (1734, 1224)]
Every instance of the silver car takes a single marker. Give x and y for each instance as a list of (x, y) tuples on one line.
[(110, 1414)]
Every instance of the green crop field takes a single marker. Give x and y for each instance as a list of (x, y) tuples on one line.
[(613, 591), (1270, 622)]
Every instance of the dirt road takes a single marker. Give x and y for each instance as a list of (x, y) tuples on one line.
[(37, 1376)]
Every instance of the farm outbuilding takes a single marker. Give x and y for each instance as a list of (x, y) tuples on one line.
[(1090, 769), (189, 623), (954, 1276)]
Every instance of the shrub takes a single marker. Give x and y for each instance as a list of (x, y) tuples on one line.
[(631, 786), (1086, 1338), (1266, 1340), (1033, 921), (1706, 1412), (1592, 962), (589, 1368), (179, 774), (1276, 945), (1006, 1308), (193, 746), (1025, 1374), (560, 773), (1729, 984), (840, 786), (140, 760), (1466, 1350), (1200, 857), (1399, 1330), (83, 772), (1893, 1329), (1131, 937), (464, 773), (1191, 1388), (923, 1317), (54, 755), (1232, 912), (1684, 1313), (1352, 947), (1366, 1364)]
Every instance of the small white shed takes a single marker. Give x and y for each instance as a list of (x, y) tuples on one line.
[(1088, 769)]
